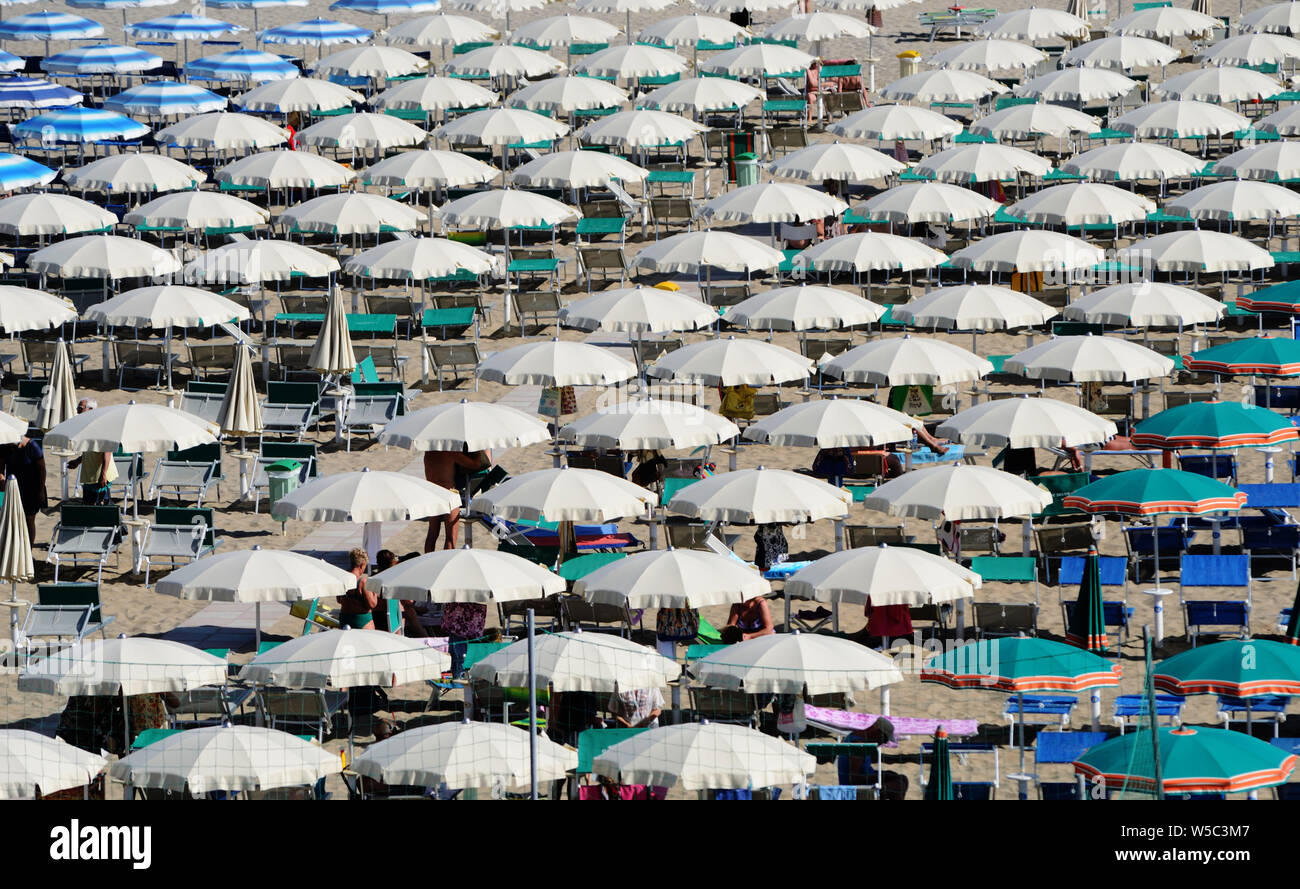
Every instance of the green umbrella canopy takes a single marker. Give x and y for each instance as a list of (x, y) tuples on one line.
[(1087, 629), (1278, 298), (1015, 665), (940, 784), (1269, 356), (1192, 760), (1237, 667), (1154, 492), (1214, 424), (1292, 634)]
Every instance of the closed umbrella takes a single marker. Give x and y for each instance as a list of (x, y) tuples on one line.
[(958, 493), (344, 658), (241, 410), (1195, 250), (147, 173), (464, 754), (1081, 204), (1145, 304), (939, 787), (938, 202), (42, 213), (981, 162), (1192, 760), (760, 497), (32, 764), (796, 664), (1131, 161), (1218, 84), (1085, 359), (285, 169), (803, 307), (705, 756), (59, 402), (1087, 625), (651, 424), (298, 94), (1026, 422), (907, 361), (889, 123), (464, 425), (467, 575), (332, 353), (834, 160), (15, 542), (833, 423), (731, 362)]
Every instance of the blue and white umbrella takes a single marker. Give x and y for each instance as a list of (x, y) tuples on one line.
[(79, 125), (27, 92), (241, 66), (123, 5), (183, 27), (162, 98), (317, 32), (254, 5), (103, 58), (49, 26), (17, 171), (387, 7), (11, 62)]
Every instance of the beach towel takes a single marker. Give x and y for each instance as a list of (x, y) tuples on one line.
[(836, 791), (845, 720)]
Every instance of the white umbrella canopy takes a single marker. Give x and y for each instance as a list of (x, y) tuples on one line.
[(1179, 119), (1121, 53), (1034, 23), (375, 62), (564, 30), (59, 402), (729, 6), (907, 361), (705, 756), (576, 169), (1133, 161), (1025, 422), (463, 754), (132, 172), (578, 662), (817, 26), (464, 425), (649, 424), (1269, 161), (700, 94), (286, 169), (886, 575), (362, 130), (1027, 251), (889, 123), (1222, 84), (419, 259), (197, 210), (497, 8), (222, 131), (988, 55), (639, 128), (869, 251), (1236, 201), (942, 85), (350, 213), (440, 30), (639, 310), (32, 764), (241, 408), (690, 252), (1283, 122), (673, 578), (298, 94), (1082, 203), (135, 428), (564, 495), (42, 213), (1194, 250), (759, 497), (1077, 85), (366, 496), (23, 309), (125, 666), (504, 208), (982, 161), (103, 256), (1089, 359), (430, 168), (253, 262), (803, 307), (796, 663), (166, 306), (12, 430), (688, 30), (772, 202), (1145, 304), (958, 493), (500, 126), (928, 202), (624, 7), (731, 362), (228, 757), (256, 575), (757, 60), (1163, 22), (555, 363), (632, 60), (466, 575), (974, 307), (835, 160), (343, 658), (501, 60), (1247, 50), (15, 544), (833, 423), (1278, 18), (332, 353), (1032, 121), (434, 94), (567, 94)]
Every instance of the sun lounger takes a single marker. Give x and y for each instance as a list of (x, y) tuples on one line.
[(1263, 708), (178, 534), (1129, 709), (1038, 710), (85, 535), (64, 611)]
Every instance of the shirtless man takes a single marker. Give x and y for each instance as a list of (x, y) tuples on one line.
[(440, 468)]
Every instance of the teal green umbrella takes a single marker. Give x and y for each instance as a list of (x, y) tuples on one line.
[(1214, 424), (1293, 625), (940, 784), (1270, 356), (1241, 668), (1192, 760), (1087, 627), (1142, 492)]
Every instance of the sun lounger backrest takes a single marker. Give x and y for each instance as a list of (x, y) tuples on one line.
[(292, 393), (72, 595), (186, 515), (303, 452), (76, 515)]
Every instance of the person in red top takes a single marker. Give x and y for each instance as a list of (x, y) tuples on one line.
[(884, 622)]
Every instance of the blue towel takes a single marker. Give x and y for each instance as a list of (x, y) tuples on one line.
[(836, 791), (733, 794)]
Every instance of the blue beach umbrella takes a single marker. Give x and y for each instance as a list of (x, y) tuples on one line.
[(49, 26), (105, 58), (123, 5), (317, 32), (242, 66), (27, 92), (387, 7), (11, 62), (254, 5), (183, 27), (79, 125), (5, 3), (165, 97), (17, 171)]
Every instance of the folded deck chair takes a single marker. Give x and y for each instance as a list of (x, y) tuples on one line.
[(85, 535)]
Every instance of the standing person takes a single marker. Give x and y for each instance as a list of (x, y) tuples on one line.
[(638, 708), (445, 468), (98, 471), (25, 461), (463, 623), (356, 607)]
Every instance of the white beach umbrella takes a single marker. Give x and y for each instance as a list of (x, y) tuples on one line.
[(298, 94), (1248, 50), (505, 208), (907, 361), (639, 310), (639, 128), (885, 575), (835, 160), (1082, 203), (133, 172), (796, 663), (241, 408), (430, 168), (23, 309), (705, 756), (12, 430), (958, 493), (690, 252), (286, 169), (942, 85), (889, 123), (674, 578), (625, 7), (103, 256), (757, 60), (31, 764), (1279, 18), (1089, 359), (1025, 422), (974, 307), (1179, 119), (364, 130), (816, 26), (365, 496), (466, 575), (1145, 304), (564, 495), (343, 658), (502, 60), (988, 55), (1237, 201), (332, 353), (628, 61), (440, 30), (253, 262), (464, 425), (229, 758), (350, 213), (1120, 53), (497, 8), (1267, 161), (373, 62), (1032, 121), (928, 202), (1027, 251), (578, 662), (699, 95), (803, 307), (1077, 85), (125, 666), (760, 496), (1223, 84), (567, 94), (135, 428), (731, 362), (1193, 250), (1034, 23), (197, 210), (256, 575), (166, 306), (222, 131), (500, 126), (688, 30), (1284, 122), (434, 94), (729, 6), (59, 401), (419, 259), (982, 161), (564, 30), (41, 213), (576, 169), (555, 362), (772, 202), (1164, 22), (833, 423), (869, 251), (651, 424), (1132, 161), (464, 754)]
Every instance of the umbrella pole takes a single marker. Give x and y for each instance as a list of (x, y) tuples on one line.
[(257, 625), (1020, 718), (126, 725), (532, 709)]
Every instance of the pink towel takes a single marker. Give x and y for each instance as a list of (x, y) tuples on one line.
[(903, 725)]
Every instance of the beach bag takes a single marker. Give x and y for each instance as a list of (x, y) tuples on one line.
[(770, 546), (677, 624)]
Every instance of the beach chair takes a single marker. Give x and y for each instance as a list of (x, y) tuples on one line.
[(453, 359), (1274, 541), (203, 399), (961, 751), (63, 611), (312, 708), (1038, 710), (369, 413), (1056, 542), (1062, 747), (85, 535), (291, 408), (383, 358), (1140, 543), (189, 471), (134, 355), (1130, 709), (596, 617), (1059, 485), (724, 705), (859, 536), (1114, 573), (275, 451), (25, 404), (1200, 571), (1005, 618), (1218, 466), (40, 353), (1262, 708), (178, 533), (208, 705), (210, 358)]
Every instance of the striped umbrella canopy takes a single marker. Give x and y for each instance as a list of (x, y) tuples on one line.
[(79, 125), (1192, 760), (1214, 424), (27, 92), (1242, 668), (939, 787), (163, 98), (103, 58), (398, 7), (17, 171), (241, 66), (123, 5), (1283, 297), (316, 32), (254, 5), (1145, 492), (11, 62), (1087, 628), (1267, 356), (49, 26), (183, 26), (1292, 634)]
